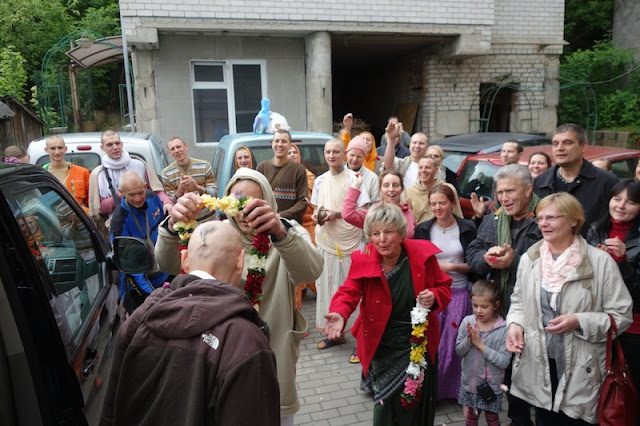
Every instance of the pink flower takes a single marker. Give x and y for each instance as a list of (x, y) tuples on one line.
[(411, 386)]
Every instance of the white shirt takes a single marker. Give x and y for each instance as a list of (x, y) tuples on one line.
[(202, 274), (411, 175)]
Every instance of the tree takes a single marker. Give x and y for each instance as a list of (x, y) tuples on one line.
[(586, 22), (12, 73), (604, 80)]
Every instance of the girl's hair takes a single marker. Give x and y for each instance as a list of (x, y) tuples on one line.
[(394, 173), (631, 186), (14, 151), (486, 288), (544, 154), (443, 189)]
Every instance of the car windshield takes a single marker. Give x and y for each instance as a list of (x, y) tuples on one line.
[(477, 176), (453, 159), (88, 160)]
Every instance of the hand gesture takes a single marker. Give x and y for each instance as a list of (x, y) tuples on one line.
[(477, 204), (166, 208), (393, 135), (185, 209), (347, 122), (334, 326), (515, 339), (426, 298), (474, 337), (261, 218), (500, 257), (332, 215), (563, 324), (357, 181), (615, 247)]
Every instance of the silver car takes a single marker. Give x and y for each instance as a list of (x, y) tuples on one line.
[(84, 149)]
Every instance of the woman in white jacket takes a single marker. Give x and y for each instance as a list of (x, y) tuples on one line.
[(559, 317)]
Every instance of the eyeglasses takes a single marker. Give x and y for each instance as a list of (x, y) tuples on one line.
[(550, 219)]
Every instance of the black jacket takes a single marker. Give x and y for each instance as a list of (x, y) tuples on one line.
[(629, 267), (592, 190), (193, 354), (487, 237)]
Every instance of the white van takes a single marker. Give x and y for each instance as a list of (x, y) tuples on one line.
[(84, 149)]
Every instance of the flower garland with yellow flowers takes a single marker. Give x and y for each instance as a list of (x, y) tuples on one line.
[(417, 362), (232, 205)]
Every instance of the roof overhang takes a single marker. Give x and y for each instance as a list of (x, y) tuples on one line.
[(101, 52)]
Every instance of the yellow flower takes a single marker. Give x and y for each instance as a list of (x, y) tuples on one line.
[(417, 354), (418, 330)]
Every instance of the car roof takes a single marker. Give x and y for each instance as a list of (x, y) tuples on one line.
[(484, 142), (592, 152), (94, 137), (251, 139)]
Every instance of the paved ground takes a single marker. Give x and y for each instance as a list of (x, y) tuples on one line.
[(329, 387)]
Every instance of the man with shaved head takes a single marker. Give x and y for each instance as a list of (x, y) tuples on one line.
[(196, 352), (138, 215), (72, 176)]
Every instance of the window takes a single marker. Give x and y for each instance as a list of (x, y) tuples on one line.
[(226, 97), (58, 238)]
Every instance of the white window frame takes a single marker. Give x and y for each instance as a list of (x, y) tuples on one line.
[(227, 84)]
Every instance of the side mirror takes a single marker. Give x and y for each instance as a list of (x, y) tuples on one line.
[(133, 255)]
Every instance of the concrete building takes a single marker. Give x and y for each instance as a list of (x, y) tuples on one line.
[(626, 31), (449, 66)]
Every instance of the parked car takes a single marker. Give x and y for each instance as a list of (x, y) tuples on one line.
[(84, 149), (311, 147), (58, 294), (457, 148), (477, 172)]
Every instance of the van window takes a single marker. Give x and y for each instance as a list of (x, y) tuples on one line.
[(60, 240), (88, 160)]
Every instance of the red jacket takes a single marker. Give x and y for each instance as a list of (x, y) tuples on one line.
[(366, 281)]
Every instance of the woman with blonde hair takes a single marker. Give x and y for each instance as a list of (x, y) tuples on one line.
[(566, 291), (244, 158)]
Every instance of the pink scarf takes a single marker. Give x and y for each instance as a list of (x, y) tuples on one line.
[(555, 272)]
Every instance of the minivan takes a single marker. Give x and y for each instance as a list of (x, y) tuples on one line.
[(84, 150), (58, 313)]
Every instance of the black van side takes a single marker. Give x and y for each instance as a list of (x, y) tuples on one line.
[(58, 315)]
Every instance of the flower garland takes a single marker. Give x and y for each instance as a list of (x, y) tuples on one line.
[(417, 363), (231, 205)]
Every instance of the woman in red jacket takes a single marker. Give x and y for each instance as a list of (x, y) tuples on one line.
[(390, 276)]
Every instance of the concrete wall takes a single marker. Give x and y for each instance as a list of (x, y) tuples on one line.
[(284, 69), (626, 31)]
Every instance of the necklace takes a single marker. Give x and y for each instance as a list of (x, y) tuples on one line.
[(447, 228)]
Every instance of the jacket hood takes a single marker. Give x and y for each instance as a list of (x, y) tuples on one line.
[(193, 305), (260, 179)]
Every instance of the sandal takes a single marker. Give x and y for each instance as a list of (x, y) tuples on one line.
[(326, 343), (353, 359)]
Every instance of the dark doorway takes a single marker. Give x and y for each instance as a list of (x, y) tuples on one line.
[(496, 104), (375, 74)]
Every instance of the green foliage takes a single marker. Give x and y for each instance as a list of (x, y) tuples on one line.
[(12, 73), (586, 21), (604, 80)]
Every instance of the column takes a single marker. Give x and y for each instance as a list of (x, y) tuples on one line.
[(318, 82)]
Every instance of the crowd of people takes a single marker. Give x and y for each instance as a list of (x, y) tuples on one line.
[(512, 303)]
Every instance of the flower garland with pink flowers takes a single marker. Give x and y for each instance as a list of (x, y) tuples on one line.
[(231, 205), (417, 362)]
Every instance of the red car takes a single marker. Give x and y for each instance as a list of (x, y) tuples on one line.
[(477, 171)]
